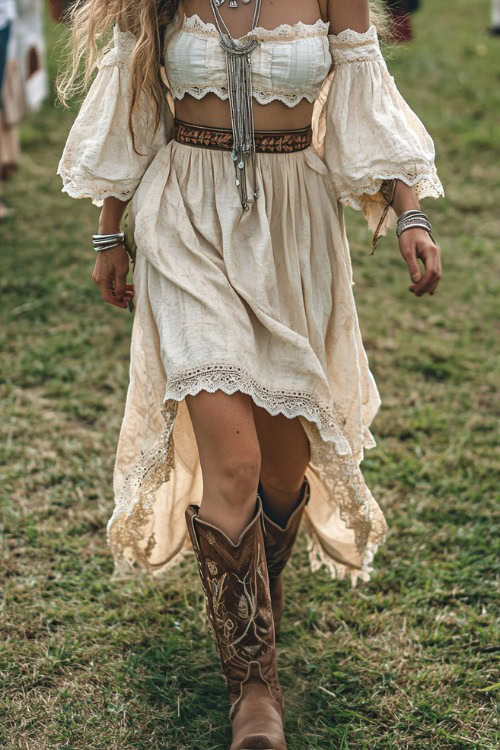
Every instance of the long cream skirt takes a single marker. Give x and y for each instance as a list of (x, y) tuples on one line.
[(258, 302)]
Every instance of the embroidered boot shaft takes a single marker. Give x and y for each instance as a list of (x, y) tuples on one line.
[(279, 543), (239, 617)]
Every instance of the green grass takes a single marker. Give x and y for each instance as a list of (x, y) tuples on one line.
[(406, 661)]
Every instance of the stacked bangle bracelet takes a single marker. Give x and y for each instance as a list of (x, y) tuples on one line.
[(413, 219), (107, 241)]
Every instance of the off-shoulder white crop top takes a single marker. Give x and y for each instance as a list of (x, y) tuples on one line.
[(289, 64)]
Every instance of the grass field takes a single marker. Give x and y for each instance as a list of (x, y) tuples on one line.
[(406, 661)]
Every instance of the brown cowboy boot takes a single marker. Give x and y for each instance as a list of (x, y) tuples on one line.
[(279, 542), (239, 617)]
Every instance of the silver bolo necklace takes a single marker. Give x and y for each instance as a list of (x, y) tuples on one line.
[(239, 83), (232, 3)]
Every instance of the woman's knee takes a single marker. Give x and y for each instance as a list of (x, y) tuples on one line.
[(237, 475), (287, 481)]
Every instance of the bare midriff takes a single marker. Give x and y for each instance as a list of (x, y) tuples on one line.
[(214, 112)]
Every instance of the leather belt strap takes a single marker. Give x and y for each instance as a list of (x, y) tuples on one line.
[(221, 139)]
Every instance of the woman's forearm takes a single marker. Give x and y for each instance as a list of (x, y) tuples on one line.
[(111, 215), (405, 198)]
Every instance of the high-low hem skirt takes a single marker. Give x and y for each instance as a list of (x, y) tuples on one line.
[(259, 302)]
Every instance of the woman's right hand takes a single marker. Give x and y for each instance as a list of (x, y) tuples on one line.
[(110, 275)]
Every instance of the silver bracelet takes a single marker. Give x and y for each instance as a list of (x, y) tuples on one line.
[(108, 247), (107, 241), (413, 219)]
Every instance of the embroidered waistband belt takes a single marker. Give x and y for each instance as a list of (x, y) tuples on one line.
[(221, 139)]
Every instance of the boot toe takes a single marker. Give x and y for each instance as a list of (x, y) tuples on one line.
[(259, 742)]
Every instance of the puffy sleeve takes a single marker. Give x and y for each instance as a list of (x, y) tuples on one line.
[(366, 132), (99, 159)]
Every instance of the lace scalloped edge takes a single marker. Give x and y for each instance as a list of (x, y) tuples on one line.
[(291, 100), (231, 378), (96, 191), (154, 468), (349, 36), (337, 570), (285, 31), (431, 188)]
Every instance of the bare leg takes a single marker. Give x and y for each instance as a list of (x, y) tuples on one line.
[(229, 456), (285, 455)]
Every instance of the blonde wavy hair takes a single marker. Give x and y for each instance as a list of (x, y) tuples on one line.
[(91, 24)]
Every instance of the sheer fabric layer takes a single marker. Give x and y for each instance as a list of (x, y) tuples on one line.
[(366, 132), (99, 159), (259, 303)]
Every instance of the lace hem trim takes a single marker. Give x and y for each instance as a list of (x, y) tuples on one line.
[(426, 184), (263, 97), (77, 187), (135, 502), (331, 454), (351, 47), (283, 32), (231, 378), (357, 507), (352, 38)]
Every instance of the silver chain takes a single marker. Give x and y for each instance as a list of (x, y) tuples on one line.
[(239, 83), (232, 3)]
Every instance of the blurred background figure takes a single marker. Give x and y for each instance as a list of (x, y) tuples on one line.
[(59, 7), (30, 41), (495, 18), (400, 11), (7, 16), (24, 84)]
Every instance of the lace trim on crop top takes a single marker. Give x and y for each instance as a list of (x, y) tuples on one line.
[(266, 87), (285, 32)]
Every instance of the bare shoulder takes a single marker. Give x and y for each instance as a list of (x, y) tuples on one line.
[(348, 14)]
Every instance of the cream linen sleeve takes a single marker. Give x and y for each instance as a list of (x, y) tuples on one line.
[(367, 133), (99, 160)]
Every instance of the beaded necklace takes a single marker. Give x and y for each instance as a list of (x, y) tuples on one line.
[(239, 82)]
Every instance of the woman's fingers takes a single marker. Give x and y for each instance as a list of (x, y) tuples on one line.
[(429, 253), (120, 279), (418, 244), (110, 275), (109, 296)]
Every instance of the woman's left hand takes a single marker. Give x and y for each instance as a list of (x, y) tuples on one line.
[(417, 244)]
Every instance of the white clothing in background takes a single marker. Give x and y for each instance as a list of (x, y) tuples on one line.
[(495, 14), (29, 34), (7, 12)]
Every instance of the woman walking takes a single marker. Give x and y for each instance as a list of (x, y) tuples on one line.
[(250, 389)]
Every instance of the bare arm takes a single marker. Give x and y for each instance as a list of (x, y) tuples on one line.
[(111, 266), (348, 14), (415, 243)]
